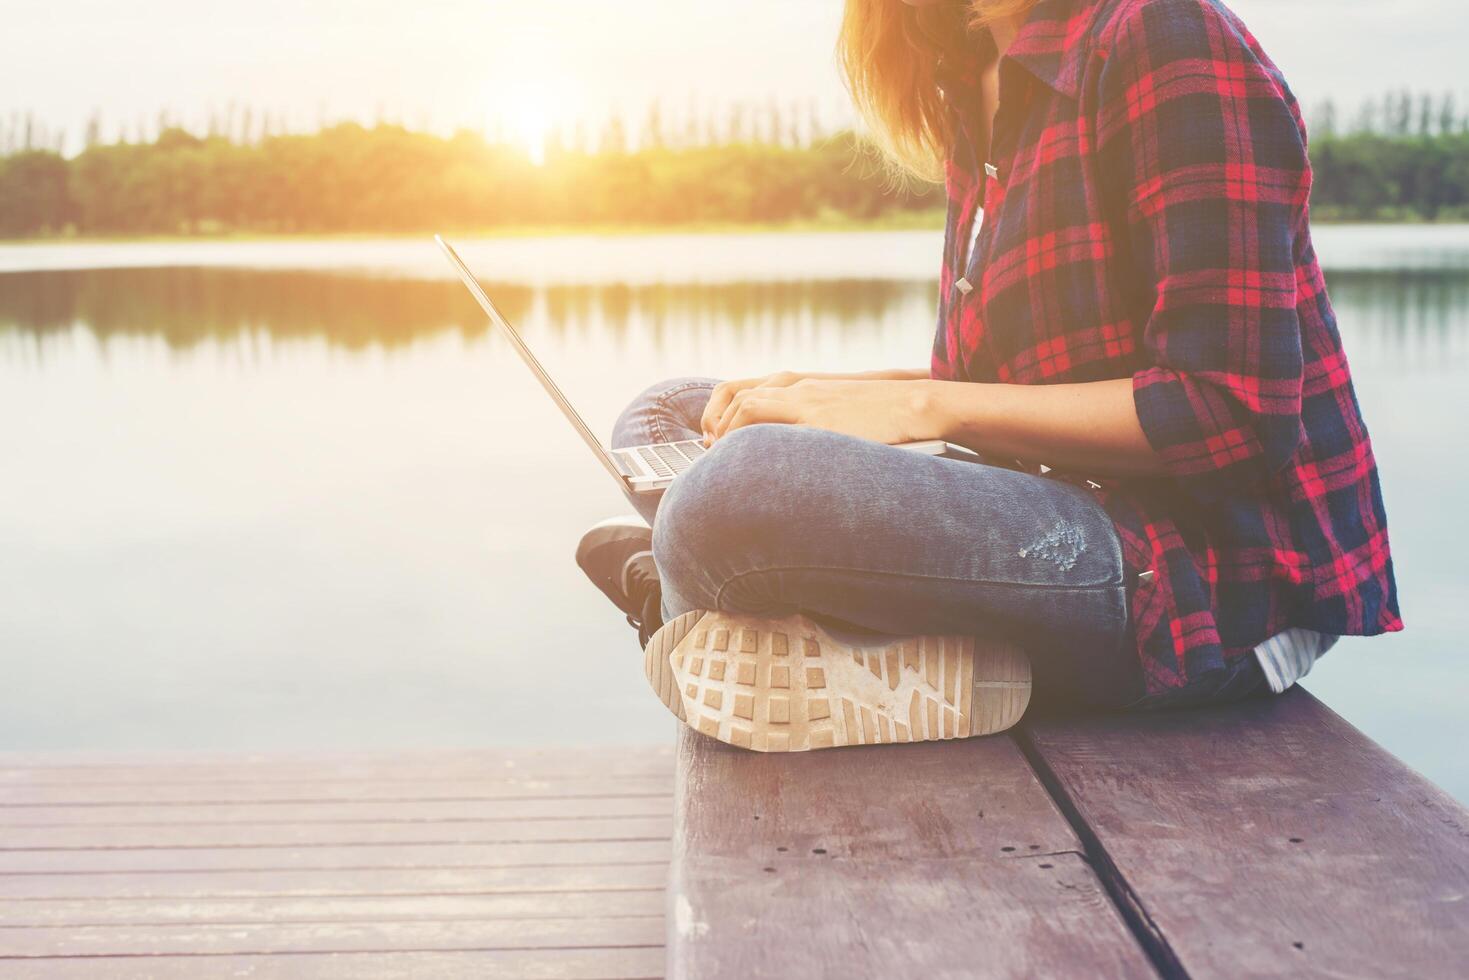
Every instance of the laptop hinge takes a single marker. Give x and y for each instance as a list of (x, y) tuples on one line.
[(619, 458)]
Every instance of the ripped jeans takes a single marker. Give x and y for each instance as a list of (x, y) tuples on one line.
[(778, 518)]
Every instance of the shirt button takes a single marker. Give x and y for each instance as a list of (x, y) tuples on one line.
[(990, 170), (964, 286), (1146, 577)]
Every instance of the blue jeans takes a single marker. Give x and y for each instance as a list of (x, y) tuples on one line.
[(777, 519)]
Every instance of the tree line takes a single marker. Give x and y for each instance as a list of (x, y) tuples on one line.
[(350, 178), (1402, 157), (788, 124)]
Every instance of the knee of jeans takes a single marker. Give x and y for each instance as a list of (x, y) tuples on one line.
[(715, 520), (630, 429)]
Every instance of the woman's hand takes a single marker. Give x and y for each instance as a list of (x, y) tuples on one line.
[(724, 392), (882, 410)]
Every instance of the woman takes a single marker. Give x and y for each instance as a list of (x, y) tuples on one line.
[(1178, 502)]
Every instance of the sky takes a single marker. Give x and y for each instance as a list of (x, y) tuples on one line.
[(532, 65)]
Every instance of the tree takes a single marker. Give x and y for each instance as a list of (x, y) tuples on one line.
[(1447, 114), (691, 129), (614, 136), (653, 127), (1366, 121), (1325, 124), (735, 132), (33, 193), (1399, 112)]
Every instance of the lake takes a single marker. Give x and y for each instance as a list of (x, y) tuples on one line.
[(296, 495)]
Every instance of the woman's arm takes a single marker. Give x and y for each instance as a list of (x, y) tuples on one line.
[(1211, 182), (1091, 428)]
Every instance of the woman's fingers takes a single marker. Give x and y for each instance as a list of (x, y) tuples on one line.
[(721, 425), (753, 411), (719, 400), (757, 405), (725, 392)]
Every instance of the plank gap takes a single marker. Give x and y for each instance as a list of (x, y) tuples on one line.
[(321, 920), (306, 846), (326, 952), (383, 822), (332, 800), (1128, 904), (263, 896)]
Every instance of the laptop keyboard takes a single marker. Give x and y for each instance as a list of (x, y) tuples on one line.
[(672, 458)]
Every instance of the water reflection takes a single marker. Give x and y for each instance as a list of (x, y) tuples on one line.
[(1401, 318), (189, 305), (1393, 316)]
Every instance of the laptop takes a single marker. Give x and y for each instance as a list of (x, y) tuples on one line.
[(638, 469)]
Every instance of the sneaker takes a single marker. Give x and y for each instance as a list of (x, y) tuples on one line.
[(617, 555), (790, 684)]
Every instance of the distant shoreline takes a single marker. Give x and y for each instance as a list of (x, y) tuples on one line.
[(893, 221)]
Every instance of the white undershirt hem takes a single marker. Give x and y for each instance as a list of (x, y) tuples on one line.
[(1288, 656)]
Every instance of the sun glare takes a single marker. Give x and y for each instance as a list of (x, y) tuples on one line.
[(528, 113)]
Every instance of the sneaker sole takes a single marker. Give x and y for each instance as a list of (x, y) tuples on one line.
[(789, 685)]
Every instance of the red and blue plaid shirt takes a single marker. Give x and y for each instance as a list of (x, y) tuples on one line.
[(1144, 206)]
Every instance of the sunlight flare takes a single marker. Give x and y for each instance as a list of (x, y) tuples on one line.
[(528, 113)]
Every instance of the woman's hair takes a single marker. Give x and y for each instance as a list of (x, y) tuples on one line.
[(889, 52)]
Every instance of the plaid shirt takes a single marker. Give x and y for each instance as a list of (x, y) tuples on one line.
[(1144, 208)]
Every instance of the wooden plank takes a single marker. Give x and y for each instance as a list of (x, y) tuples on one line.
[(153, 939), (19, 795), (334, 882), (71, 913), (937, 859), (278, 834), (331, 857), (1269, 838), (538, 964), (527, 863), (338, 812)]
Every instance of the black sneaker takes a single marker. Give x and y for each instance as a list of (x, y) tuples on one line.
[(617, 555)]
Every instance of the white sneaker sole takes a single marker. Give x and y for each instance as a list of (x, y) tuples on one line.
[(788, 685)]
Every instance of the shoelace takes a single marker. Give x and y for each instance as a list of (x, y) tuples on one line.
[(642, 578), (651, 619)]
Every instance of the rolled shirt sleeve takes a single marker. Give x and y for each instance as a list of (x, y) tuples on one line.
[(1202, 145)]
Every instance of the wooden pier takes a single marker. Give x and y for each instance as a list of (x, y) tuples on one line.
[(1264, 839), (525, 863)]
